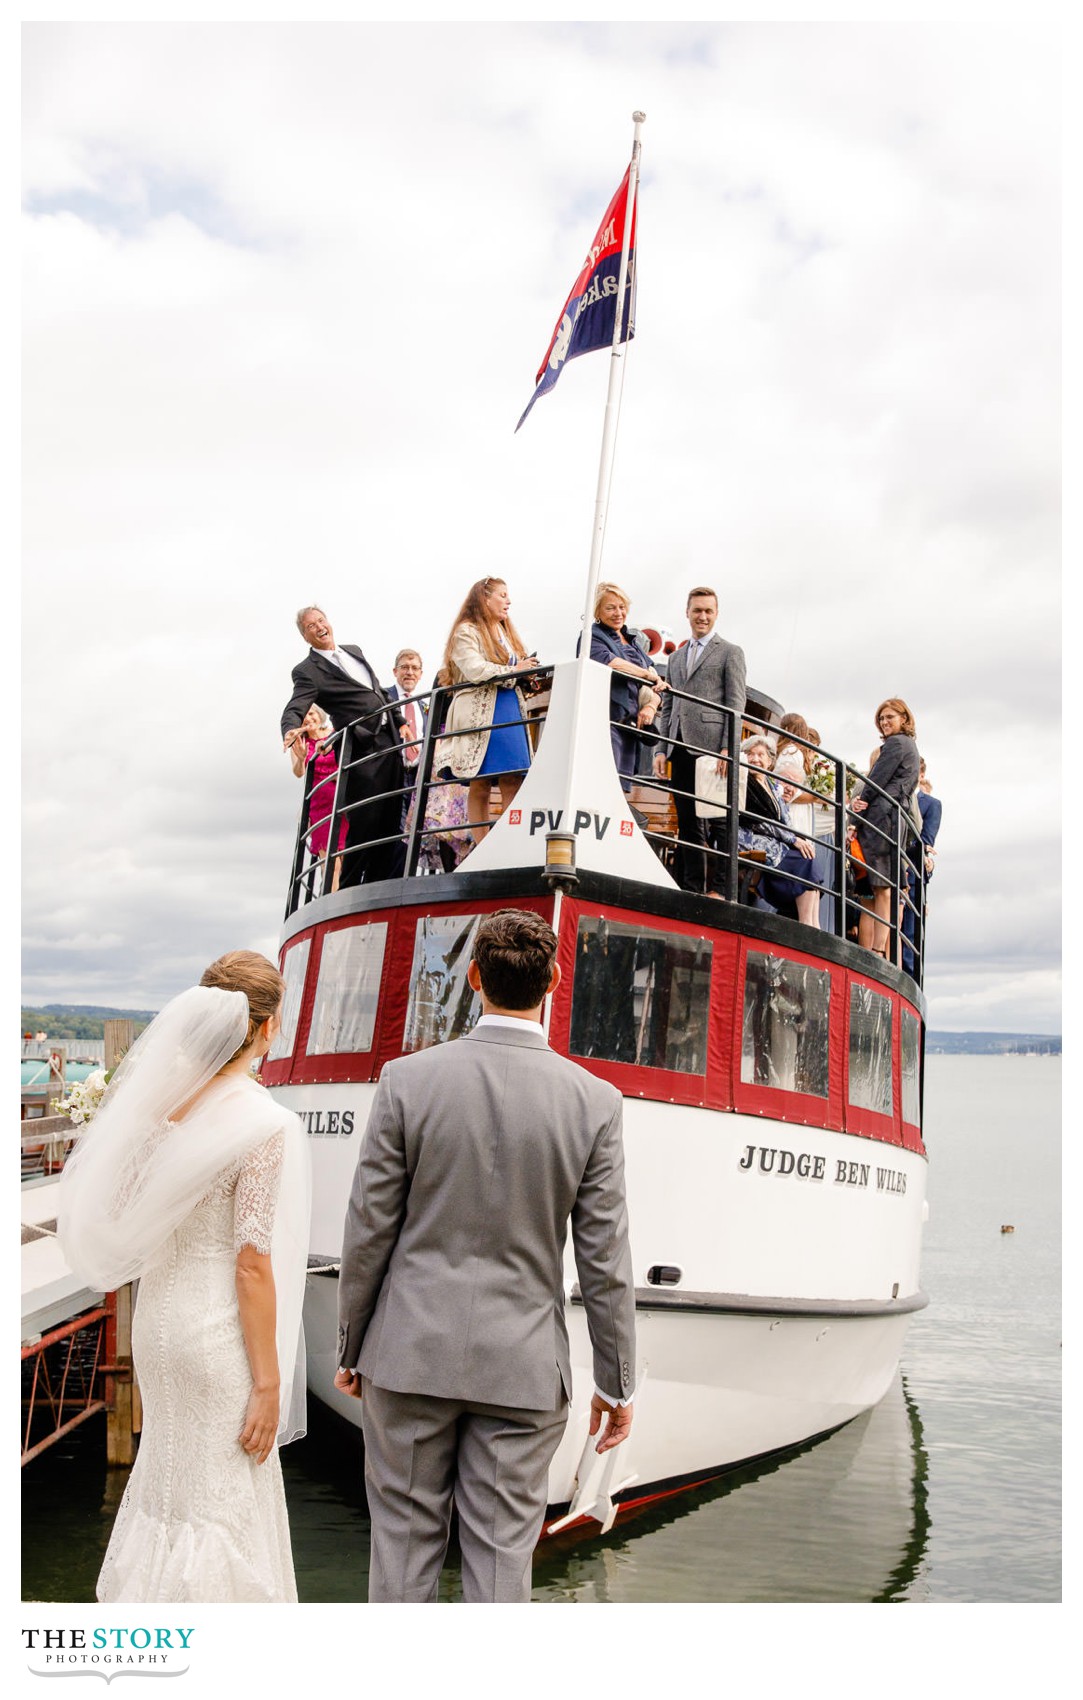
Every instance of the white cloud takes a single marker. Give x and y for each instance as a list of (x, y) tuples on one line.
[(284, 302)]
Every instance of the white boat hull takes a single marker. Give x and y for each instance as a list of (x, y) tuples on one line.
[(798, 1273)]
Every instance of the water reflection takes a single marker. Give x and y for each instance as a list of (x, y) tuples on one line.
[(841, 1519)]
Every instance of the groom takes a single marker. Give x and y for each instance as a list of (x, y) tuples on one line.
[(451, 1303)]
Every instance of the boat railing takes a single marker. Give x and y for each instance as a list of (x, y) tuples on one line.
[(422, 828), (736, 869), (313, 875)]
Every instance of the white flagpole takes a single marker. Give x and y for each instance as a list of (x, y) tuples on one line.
[(612, 404)]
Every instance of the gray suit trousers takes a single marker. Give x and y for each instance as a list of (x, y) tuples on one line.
[(421, 1454)]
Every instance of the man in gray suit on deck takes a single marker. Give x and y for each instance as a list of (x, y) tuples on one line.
[(451, 1293), (709, 667)]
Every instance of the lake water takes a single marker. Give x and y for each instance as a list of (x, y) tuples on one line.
[(948, 1491)]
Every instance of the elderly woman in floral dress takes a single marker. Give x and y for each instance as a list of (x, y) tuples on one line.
[(764, 827)]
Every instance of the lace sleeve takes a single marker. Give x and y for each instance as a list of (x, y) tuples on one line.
[(257, 1194)]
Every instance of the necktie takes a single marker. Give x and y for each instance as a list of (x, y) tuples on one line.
[(410, 756)]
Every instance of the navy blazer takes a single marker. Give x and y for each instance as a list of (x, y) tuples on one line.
[(606, 646), (931, 810)]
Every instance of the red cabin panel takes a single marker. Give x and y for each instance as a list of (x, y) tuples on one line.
[(395, 993), (860, 1118), (279, 1071), (778, 1101), (638, 1080), (719, 1086), (343, 1065)]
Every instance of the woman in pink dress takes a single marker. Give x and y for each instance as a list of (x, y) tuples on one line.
[(313, 747)]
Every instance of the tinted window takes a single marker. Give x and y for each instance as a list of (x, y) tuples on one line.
[(442, 1005), (344, 1010), (784, 1035), (640, 997), (294, 969), (910, 1045), (870, 1050)]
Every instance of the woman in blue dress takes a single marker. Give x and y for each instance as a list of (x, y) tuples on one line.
[(486, 737)]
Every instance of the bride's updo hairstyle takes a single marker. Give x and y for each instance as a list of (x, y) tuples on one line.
[(248, 972)]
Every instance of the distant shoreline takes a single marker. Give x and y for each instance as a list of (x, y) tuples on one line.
[(993, 1044), (66, 1022)]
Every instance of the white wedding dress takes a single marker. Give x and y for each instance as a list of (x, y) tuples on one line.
[(200, 1520)]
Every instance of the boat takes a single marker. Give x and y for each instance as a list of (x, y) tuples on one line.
[(843, 1519), (772, 1083)]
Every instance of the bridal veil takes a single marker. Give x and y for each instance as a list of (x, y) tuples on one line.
[(165, 1130)]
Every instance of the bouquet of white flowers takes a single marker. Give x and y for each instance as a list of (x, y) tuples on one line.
[(821, 779), (84, 1097)]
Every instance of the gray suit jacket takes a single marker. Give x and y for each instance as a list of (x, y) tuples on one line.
[(475, 1156), (719, 676)]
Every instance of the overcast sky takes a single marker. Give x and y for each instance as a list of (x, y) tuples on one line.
[(286, 289)]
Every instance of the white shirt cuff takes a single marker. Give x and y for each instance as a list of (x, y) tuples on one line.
[(611, 1401)]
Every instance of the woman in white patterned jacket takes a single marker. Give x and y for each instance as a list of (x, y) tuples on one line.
[(486, 735)]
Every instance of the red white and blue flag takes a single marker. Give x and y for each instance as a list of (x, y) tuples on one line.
[(588, 316)]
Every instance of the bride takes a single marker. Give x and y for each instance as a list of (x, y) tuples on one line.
[(193, 1179)]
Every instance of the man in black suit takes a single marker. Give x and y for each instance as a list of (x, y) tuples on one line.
[(338, 677)]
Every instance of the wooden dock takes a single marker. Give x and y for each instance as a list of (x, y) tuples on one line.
[(76, 1342)]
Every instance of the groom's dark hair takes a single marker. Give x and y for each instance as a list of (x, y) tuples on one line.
[(514, 950)]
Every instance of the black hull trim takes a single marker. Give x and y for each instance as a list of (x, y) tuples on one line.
[(727, 1304), (645, 899), (752, 1304)]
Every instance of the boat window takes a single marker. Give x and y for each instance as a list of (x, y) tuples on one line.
[(784, 1036), (640, 997), (870, 1050), (442, 1004), (910, 1044), (294, 969), (344, 1010)]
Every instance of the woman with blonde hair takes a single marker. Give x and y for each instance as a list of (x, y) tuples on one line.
[(193, 1180), (486, 736), (889, 787), (632, 700)]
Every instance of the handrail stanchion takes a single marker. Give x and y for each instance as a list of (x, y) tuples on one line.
[(299, 845), (733, 797), (923, 900), (433, 719), (333, 824), (895, 935), (843, 849)]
